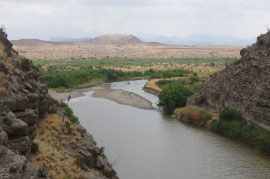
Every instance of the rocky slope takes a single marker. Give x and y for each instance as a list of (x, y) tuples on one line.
[(24, 105), (243, 86)]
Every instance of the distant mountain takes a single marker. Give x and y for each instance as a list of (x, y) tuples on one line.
[(199, 40), (117, 39), (66, 39), (31, 42)]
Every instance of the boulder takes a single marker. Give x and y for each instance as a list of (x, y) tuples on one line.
[(29, 116), (13, 126)]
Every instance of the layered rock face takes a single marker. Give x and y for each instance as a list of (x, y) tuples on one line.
[(243, 85), (24, 103), (23, 97)]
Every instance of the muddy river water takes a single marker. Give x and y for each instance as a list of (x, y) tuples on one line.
[(146, 144)]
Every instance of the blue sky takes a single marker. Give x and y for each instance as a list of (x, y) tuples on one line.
[(44, 19)]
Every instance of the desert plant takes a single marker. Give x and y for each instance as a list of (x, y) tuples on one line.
[(42, 172), (69, 112), (109, 173), (230, 114), (34, 147), (101, 152), (13, 168), (26, 64), (7, 121)]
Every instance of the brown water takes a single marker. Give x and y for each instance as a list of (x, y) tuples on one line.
[(146, 144)]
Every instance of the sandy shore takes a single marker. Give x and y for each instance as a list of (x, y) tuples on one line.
[(117, 95)]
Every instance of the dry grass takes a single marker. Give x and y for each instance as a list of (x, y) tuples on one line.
[(4, 82), (2, 90), (2, 74), (85, 50), (152, 85), (196, 116), (52, 151)]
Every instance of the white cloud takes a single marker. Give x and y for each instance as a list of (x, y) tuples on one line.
[(78, 18)]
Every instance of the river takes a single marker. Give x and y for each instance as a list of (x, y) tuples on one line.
[(146, 144)]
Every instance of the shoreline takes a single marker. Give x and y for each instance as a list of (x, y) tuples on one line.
[(102, 91)]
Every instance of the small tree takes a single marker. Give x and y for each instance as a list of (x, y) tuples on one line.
[(172, 96)]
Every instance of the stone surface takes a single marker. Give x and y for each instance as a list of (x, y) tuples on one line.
[(244, 85), (29, 116), (24, 102), (15, 127), (16, 166)]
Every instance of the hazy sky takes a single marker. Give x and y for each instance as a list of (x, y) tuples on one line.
[(83, 18)]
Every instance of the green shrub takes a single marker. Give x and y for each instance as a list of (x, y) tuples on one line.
[(13, 168), (172, 96), (42, 172), (26, 64), (69, 129), (34, 148), (69, 112), (230, 114), (7, 121), (232, 125), (101, 152), (109, 173), (194, 79)]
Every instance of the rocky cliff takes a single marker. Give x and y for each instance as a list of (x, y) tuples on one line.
[(27, 114), (243, 85)]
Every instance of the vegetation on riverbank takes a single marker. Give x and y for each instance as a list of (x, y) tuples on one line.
[(69, 112), (195, 116), (231, 124), (56, 79), (195, 64), (172, 96)]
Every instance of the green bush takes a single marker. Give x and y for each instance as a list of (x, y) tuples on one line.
[(42, 172), (13, 168), (7, 121), (233, 125), (230, 114), (26, 64), (69, 112), (102, 152), (34, 148), (172, 96), (109, 173)]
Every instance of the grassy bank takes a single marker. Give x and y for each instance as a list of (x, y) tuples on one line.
[(229, 123), (233, 126)]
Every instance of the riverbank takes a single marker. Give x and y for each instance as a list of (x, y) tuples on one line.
[(102, 91)]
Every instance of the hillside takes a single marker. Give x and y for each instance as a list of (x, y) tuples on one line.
[(243, 85), (115, 39), (37, 138), (118, 46)]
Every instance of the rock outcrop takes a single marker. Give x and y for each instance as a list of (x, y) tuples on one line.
[(243, 85), (24, 103)]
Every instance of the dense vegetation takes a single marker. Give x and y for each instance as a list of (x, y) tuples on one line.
[(231, 124), (172, 96), (116, 62), (72, 78), (191, 82), (69, 113)]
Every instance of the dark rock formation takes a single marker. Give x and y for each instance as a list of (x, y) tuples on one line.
[(24, 103), (243, 85)]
